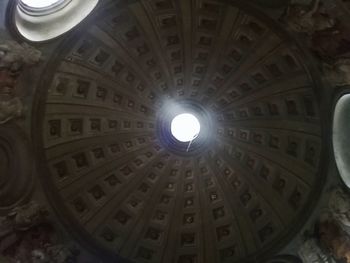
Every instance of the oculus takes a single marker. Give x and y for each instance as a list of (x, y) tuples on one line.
[(43, 20), (185, 127)]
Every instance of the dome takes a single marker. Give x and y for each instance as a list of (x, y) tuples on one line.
[(116, 176)]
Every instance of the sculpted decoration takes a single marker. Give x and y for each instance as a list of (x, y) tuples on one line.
[(327, 36), (307, 19), (339, 206), (311, 252), (335, 240), (330, 241), (14, 58), (28, 236)]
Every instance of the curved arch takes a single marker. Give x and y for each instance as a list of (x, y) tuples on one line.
[(341, 139), (39, 22)]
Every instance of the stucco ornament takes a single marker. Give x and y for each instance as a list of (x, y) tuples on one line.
[(338, 73), (20, 219), (27, 236), (310, 252), (14, 58), (24, 217), (327, 36), (54, 253), (335, 240), (10, 109), (307, 19), (339, 206)]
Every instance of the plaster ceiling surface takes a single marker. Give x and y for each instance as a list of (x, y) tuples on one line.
[(120, 181)]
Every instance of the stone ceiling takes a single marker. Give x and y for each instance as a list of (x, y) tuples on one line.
[(241, 192)]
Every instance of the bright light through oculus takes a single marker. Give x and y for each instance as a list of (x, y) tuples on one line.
[(39, 3), (185, 127)]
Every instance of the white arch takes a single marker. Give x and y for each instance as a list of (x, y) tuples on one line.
[(341, 137), (38, 26)]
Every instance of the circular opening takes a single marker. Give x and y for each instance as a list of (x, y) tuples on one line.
[(185, 127), (42, 20), (40, 3)]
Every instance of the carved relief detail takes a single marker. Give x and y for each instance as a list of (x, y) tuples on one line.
[(14, 58)]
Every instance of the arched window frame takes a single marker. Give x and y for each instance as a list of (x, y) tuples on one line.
[(341, 136), (43, 24)]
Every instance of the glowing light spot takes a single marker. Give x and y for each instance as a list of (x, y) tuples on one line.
[(185, 127), (40, 3)]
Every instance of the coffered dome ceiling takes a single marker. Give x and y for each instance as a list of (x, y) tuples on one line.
[(118, 178)]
